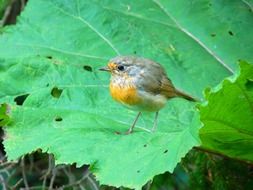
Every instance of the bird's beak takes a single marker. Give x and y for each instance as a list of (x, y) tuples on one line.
[(104, 69)]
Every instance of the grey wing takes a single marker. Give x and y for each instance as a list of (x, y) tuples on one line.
[(151, 77), (158, 82)]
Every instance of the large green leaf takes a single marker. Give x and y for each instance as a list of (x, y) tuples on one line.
[(65, 109), (228, 116)]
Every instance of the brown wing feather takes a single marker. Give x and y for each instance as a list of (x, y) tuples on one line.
[(170, 91), (167, 88), (158, 82)]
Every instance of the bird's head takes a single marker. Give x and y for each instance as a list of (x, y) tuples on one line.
[(123, 66)]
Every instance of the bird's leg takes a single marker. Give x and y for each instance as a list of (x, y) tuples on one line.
[(130, 130), (155, 122)]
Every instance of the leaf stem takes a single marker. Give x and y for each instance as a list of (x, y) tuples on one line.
[(202, 149)]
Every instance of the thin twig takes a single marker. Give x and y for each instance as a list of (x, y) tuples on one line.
[(13, 172), (31, 162), (23, 173), (54, 172), (78, 182), (5, 171), (81, 187), (95, 187), (3, 182), (17, 184), (36, 187), (3, 161), (6, 15), (70, 176), (50, 163), (8, 166), (148, 185), (22, 5)]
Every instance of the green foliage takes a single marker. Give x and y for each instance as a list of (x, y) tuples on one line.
[(4, 118), (60, 103), (177, 180), (228, 116), (212, 172)]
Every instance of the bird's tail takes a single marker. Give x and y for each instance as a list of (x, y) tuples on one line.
[(185, 96)]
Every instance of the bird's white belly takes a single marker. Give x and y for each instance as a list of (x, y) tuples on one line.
[(149, 102)]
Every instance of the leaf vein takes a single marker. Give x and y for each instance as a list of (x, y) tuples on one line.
[(62, 51), (227, 124), (248, 4), (198, 41), (91, 27), (141, 17)]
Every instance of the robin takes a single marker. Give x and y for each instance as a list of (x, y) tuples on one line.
[(141, 84)]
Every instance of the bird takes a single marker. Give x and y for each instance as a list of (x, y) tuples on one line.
[(141, 84)]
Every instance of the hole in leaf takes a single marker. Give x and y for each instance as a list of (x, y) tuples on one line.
[(58, 119), (165, 151), (249, 84), (213, 34), (87, 68), (56, 92), (145, 145), (21, 99), (49, 57), (138, 171), (230, 33), (47, 85)]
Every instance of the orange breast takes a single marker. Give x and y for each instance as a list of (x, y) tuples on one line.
[(127, 95)]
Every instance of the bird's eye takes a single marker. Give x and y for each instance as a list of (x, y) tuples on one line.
[(121, 68)]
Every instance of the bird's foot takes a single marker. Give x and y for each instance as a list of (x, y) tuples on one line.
[(128, 132)]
